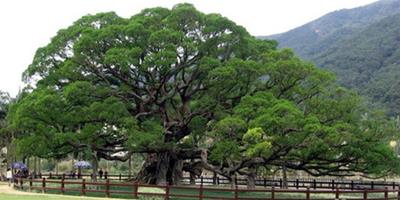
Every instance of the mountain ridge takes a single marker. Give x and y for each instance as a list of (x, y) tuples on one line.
[(334, 25), (361, 45)]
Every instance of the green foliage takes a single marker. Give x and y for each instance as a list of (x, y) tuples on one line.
[(79, 115), (167, 82), (258, 143)]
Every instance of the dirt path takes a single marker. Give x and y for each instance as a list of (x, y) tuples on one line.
[(5, 189)]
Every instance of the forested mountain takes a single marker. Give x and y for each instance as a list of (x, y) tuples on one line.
[(369, 61), (361, 45)]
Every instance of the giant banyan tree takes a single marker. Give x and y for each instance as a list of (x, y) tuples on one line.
[(191, 92)]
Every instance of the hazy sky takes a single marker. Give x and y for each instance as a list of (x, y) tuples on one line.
[(29, 24)]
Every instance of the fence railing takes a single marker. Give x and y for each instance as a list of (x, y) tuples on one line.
[(260, 181), (133, 190)]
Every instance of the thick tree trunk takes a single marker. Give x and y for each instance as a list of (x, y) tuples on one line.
[(39, 165), (192, 178), (284, 177), (95, 166), (195, 169), (28, 163), (161, 168), (251, 178), (148, 170), (130, 167), (232, 181), (35, 165), (56, 163), (176, 171)]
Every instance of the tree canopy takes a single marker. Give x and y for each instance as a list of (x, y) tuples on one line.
[(181, 86)]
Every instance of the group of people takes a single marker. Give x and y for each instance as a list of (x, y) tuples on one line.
[(20, 173), (13, 174), (73, 174), (78, 175)]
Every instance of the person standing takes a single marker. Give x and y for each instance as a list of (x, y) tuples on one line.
[(105, 174), (9, 176), (101, 173)]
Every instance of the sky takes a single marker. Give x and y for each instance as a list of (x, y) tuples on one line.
[(26, 25)]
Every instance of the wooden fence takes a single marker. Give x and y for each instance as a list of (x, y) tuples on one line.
[(132, 190), (260, 181)]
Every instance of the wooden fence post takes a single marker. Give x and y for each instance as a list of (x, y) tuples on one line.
[(107, 188), (135, 189), (50, 175), (214, 179), (83, 191), (372, 185), (167, 192), (280, 183), (297, 183), (365, 196), (308, 193), (217, 180), (62, 185), (120, 177), (273, 193), (394, 185), (236, 193), (315, 184), (333, 184), (398, 193), (337, 193), (201, 192), (352, 185), (386, 193), (43, 185), (265, 182), (30, 184), (201, 180)]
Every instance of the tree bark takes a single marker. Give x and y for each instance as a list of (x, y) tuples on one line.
[(56, 166), (284, 177), (192, 178), (35, 165), (95, 166), (148, 170), (39, 165), (130, 167), (251, 178), (232, 181), (176, 170), (161, 168), (28, 163)]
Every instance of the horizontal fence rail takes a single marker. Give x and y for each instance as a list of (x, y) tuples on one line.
[(263, 181), (133, 190)]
